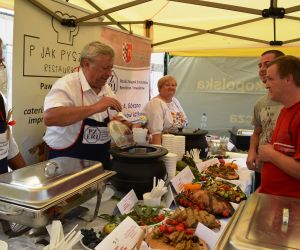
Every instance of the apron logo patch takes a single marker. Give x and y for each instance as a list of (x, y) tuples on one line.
[(95, 135)]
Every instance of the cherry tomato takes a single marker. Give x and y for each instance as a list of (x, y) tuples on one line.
[(225, 213), (161, 217), (189, 231), (181, 201), (186, 203), (222, 161), (180, 224), (179, 228), (170, 229), (175, 222), (156, 219), (163, 228), (185, 225), (169, 221)]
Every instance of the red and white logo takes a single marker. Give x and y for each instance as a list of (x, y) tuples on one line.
[(127, 52)]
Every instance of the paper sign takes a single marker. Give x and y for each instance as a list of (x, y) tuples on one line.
[(124, 237), (203, 165), (127, 203), (184, 176), (207, 235), (230, 146), (169, 197)]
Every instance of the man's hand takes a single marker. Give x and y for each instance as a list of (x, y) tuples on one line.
[(265, 152), (108, 102), (252, 162)]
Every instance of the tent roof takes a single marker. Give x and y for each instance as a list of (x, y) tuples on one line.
[(211, 27)]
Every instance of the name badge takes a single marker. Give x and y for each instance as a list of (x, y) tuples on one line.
[(95, 135)]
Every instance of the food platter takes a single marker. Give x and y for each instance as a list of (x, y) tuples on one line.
[(194, 242), (222, 171), (84, 246), (205, 200), (146, 217), (177, 233), (225, 189), (141, 214)]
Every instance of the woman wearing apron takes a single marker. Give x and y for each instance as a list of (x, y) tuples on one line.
[(76, 109), (164, 111)]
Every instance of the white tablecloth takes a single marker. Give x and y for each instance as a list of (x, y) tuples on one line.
[(25, 242)]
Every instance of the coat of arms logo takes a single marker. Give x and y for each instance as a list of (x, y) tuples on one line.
[(127, 52)]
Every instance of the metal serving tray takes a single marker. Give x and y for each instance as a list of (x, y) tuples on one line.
[(263, 222), (34, 194)]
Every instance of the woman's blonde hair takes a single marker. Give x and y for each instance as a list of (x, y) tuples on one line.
[(161, 82)]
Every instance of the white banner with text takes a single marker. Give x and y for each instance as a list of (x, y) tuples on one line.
[(44, 50)]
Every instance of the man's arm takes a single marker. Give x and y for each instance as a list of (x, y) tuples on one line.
[(252, 152), (16, 162), (64, 116), (286, 163), (156, 139)]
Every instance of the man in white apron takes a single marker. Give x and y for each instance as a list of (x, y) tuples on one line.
[(9, 152), (78, 108)]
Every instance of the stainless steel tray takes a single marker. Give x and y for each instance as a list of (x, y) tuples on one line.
[(39, 185), (35, 194), (259, 224)]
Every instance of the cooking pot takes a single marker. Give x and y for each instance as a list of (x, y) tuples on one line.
[(136, 166), (194, 138)]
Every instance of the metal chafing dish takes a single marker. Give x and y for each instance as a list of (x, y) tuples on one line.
[(263, 222), (38, 193)]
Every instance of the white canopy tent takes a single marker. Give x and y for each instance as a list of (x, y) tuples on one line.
[(196, 27)]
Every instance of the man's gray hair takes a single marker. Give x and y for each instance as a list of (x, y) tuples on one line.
[(94, 49)]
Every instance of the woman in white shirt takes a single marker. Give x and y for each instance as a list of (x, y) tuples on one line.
[(164, 111)]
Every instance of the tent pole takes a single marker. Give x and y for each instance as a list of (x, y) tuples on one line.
[(45, 9), (114, 9), (108, 16)]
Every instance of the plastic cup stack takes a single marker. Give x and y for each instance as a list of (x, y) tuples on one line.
[(179, 146), (140, 135), (170, 160), (168, 141)]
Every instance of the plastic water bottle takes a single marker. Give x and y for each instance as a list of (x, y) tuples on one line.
[(203, 123)]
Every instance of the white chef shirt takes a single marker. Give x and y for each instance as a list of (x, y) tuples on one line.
[(66, 92)]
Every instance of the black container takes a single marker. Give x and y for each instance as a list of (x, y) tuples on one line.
[(136, 166), (194, 138), (242, 142)]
